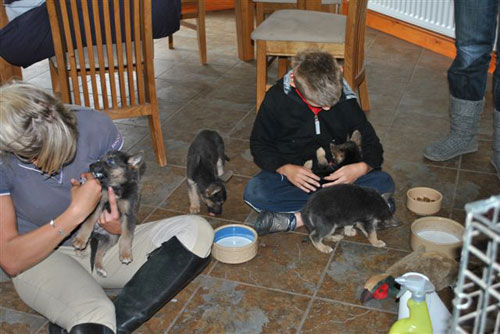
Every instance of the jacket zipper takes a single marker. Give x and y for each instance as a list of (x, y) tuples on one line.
[(316, 125)]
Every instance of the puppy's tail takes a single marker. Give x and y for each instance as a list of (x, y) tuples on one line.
[(226, 157), (93, 250)]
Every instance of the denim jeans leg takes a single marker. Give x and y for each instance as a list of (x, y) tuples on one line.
[(273, 192), (475, 27), (382, 182)]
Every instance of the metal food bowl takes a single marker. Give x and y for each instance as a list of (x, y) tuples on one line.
[(234, 243)]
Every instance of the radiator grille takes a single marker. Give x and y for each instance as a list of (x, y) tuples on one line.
[(434, 15)]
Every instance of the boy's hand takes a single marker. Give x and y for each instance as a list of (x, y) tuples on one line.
[(300, 176), (347, 174), (110, 221)]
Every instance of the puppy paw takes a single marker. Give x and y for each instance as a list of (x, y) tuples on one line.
[(324, 249), (350, 231), (101, 272), (379, 243), (335, 237), (79, 244), (194, 209), (126, 258), (80, 253)]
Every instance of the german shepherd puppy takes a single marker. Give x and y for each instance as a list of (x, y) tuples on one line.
[(205, 172), (122, 172), (341, 155), (345, 206)]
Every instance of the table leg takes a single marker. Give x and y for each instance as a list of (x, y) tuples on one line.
[(244, 15)]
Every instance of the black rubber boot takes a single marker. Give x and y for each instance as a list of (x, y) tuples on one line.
[(88, 328), (167, 271), (272, 222)]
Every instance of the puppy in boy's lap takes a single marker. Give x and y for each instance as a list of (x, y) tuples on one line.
[(344, 206)]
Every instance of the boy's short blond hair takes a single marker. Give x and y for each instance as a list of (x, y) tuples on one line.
[(35, 126), (318, 76)]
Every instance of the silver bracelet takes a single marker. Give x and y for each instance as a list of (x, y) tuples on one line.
[(60, 231)]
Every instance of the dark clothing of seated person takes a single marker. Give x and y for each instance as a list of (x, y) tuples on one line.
[(46, 147), (27, 38), (310, 107)]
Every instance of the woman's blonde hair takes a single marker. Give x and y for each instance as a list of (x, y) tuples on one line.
[(318, 76), (36, 126)]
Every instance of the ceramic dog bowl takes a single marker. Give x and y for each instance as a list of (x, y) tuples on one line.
[(234, 243), (424, 201), (437, 234)]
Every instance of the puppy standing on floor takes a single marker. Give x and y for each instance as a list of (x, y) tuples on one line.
[(205, 172), (122, 172), (344, 206)]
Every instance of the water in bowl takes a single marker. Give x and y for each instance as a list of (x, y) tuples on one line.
[(438, 237), (234, 241)]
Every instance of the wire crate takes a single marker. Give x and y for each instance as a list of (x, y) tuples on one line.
[(476, 304)]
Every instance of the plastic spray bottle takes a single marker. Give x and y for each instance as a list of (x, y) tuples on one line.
[(419, 321)]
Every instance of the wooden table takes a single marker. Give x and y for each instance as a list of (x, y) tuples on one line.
[(244, 16)]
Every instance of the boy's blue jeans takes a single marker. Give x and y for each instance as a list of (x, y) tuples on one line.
[(273, 192), (475, 28)]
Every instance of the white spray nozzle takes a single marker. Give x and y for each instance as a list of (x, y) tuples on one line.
[(418, 286)]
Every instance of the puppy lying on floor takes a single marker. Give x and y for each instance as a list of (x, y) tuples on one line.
[(122, 172), (205, 172)]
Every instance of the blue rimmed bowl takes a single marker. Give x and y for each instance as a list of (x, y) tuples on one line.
[(234, 243)]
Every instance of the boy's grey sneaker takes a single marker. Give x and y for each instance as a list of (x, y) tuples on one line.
[(464, 126), (271, 222)]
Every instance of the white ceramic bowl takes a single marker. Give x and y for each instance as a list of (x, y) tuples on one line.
[(424, 201), (234, 243), (437, 234)]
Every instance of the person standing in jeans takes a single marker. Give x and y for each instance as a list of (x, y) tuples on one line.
[(475, 30)]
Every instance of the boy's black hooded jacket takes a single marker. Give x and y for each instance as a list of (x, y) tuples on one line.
[(284, 129)]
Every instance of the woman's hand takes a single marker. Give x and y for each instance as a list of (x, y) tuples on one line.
[(110, 221), (300, 176), (347, 174), (84, 197)]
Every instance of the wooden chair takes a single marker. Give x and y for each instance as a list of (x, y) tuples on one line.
[(7, 71), (194, 9), (265, 7), (116, 75), (285, 32)]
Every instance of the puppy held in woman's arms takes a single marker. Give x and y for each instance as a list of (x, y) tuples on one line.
[(121, 171)]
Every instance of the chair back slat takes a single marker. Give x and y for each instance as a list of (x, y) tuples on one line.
[(91, 57), (100, 55), (119, 51), (149, 75), (80, 52), (128, 52), (355, 38), (70, 52), (139, 57), (109, 54)]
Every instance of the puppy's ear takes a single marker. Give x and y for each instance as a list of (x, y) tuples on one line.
[(136, 160), (212, 190), (356, 138)]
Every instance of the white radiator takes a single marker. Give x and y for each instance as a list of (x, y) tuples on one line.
[(434, 15)]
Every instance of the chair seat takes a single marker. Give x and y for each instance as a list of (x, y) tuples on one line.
[(302, 25)]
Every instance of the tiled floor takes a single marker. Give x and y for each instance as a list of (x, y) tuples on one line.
[(289, 286)]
